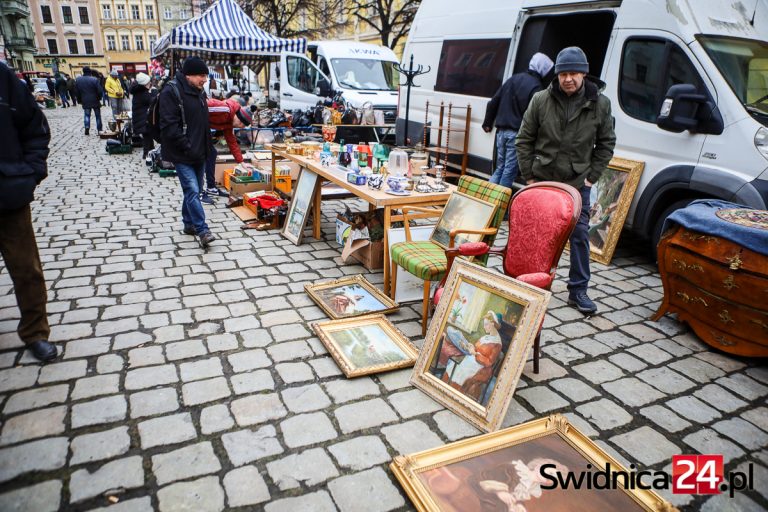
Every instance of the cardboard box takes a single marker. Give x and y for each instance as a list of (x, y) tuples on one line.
[(370, 254), (223, 163), (239, 189)]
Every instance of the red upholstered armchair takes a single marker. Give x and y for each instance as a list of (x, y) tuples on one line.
[(541, 219)]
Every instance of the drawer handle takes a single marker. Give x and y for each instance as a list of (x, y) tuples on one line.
[(687, 266), (688, 299), (695, 237), (761, 324), (725, 317), (729, 284), (722, 340), (735, 261)]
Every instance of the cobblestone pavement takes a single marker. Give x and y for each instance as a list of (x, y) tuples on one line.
[(192, 380)]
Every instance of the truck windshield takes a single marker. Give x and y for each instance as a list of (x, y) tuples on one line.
[(366, 74), (744, 65)]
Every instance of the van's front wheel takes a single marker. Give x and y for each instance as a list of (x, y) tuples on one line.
[(659, 224)]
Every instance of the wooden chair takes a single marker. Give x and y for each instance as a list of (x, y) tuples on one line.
[(427, 260), (542, 217)]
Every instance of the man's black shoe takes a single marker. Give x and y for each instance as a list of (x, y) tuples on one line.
[(87, 130), (43, 350), (582, 302), (189, 230), (206, 239)]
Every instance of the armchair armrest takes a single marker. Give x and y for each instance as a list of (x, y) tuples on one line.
[(454, 232), (420, 209)]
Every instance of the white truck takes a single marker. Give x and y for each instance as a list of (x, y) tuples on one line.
[(713, 143), (362, 72)]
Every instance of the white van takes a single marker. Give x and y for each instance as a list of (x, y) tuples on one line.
[(714, 142), (362, 72)]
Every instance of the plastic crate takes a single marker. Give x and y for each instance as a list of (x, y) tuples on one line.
[(166, 173), (121, 149)]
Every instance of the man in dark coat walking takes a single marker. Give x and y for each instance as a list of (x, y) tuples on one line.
[(185, 140), (89, 94), (51, 87), (140, 100), (61, 89), (506, 108), (25, 135), (71, 90)]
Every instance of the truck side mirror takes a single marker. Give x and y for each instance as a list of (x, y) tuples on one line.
[(685, 109), (323, 88)]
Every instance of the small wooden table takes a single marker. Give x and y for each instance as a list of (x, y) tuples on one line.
[(375, 199)]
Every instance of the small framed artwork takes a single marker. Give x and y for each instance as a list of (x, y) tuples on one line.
[(301, 204), (409, 288), (610, 198), (478, 342), (349, 296), (465, 212), (366, 345), (521, 469)]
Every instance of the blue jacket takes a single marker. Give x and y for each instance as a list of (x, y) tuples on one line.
[(25, 135), (88, 91), (511, 100)]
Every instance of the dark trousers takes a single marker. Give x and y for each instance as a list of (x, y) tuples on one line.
[(148, 143), (19, 251), (210, 168), (73, 97), (579, 272)]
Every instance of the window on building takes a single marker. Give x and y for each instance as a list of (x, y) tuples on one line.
[(45, 10), (152, 39), (135, 12), (84, 19), (53, 47), (111, 43), (125, 42), (139, 42), (121, 12), (88, 43), (66, 14), (168, 13), (649, 68), (149, 12), (183, 14), (474, 67), (72, 44), (106, 11)]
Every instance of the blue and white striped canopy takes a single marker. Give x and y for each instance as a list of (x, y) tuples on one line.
[(225, 33)]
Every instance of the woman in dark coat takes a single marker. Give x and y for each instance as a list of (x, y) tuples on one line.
[(140, 100)]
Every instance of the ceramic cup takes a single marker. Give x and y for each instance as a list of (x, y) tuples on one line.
[(375, 181)]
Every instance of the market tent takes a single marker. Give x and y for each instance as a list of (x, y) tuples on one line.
[(224, 34)]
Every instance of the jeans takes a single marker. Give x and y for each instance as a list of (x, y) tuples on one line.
[(64, 99), (506, 158), (579, 272), (192, 213), (210, 168), (87, 117)]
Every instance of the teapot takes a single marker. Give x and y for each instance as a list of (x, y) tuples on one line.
[(397, 183)]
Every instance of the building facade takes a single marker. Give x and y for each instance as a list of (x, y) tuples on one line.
[(129, 28), (173, 13), (67, 36), (17, 34)]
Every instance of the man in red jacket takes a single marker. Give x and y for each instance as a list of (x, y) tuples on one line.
[(223, 116)]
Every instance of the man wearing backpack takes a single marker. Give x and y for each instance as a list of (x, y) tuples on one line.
[(185, 139)]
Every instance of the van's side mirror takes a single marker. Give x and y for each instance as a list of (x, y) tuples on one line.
[(323, 88), (685, 109)]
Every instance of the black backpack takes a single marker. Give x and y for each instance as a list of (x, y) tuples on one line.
[(153, 115)]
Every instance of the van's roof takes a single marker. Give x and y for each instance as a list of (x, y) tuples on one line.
[(354, 49)]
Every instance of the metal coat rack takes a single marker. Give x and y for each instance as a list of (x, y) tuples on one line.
[(410, 74)]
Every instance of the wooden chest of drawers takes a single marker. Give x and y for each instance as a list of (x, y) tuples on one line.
[(718, 287)]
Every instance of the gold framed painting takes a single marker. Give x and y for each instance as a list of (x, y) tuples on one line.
[(365, 345), (301, 204), (349, 297), (610, 198), (521, 468), (478, 342), (462, 212)]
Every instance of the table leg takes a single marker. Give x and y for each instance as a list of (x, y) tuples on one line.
[(387, 224), (316, 232)]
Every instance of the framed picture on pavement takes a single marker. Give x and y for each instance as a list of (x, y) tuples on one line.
[(366, 345), (478, 341), (519, 469), (349, 296), (301, 204)]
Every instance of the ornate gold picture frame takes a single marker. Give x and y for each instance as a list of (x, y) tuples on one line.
[(502, 468), (349, 297), (478, 342), (365, 345)]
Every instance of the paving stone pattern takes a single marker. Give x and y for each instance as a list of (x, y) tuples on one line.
[(191, 380)]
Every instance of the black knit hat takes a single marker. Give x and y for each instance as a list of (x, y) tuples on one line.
[(194, 66), (571, 59)]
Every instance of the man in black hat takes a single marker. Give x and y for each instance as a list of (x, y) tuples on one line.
[(567, 136), (185, 139), (89, 93)]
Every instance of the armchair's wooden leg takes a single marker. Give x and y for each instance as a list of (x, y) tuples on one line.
[(536, 351), (393, 280), (425, 309)]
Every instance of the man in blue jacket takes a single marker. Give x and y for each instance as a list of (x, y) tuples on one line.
[(185, 139), (25, 135), (89, 94), (507, 108)]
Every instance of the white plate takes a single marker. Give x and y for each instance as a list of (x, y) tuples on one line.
[(401, 193)]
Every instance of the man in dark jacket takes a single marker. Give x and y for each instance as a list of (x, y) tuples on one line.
[(71, 90), (25, 134), (61, 89), (185, 140), (140, 100), (89, 94), (51, 87), (567, 136), (507, 108)]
